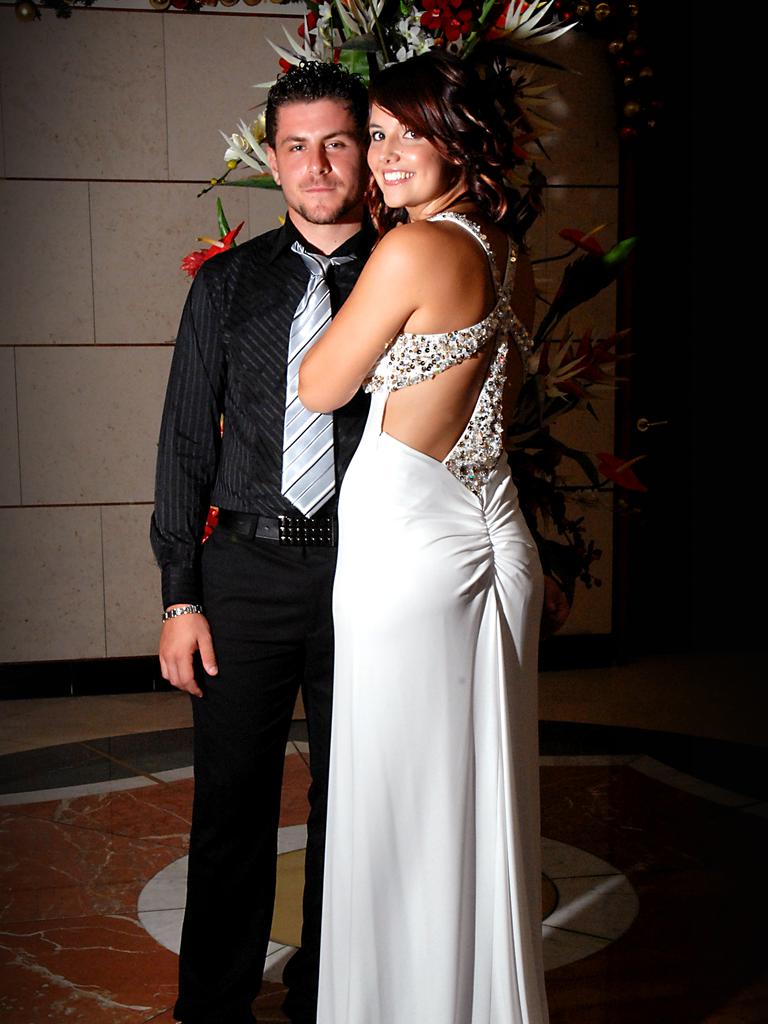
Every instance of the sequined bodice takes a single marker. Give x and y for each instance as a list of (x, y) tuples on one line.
[(412, 358)]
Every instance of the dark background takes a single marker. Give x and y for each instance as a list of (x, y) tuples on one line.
[(691, 555)]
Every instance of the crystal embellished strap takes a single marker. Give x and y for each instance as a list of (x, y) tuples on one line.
[(477, 232)]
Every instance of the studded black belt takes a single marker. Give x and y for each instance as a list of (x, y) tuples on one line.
[(294, 530)]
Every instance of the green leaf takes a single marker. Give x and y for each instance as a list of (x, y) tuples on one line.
[(582, 459), (356, 59), (619, 252), (221, 218), (586, 463)]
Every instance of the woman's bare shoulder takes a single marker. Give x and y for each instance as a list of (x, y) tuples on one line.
[(400, 257), (420, 235)]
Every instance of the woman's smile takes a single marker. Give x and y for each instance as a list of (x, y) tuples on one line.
[(396, 177)]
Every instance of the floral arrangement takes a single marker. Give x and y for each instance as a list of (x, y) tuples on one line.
[(369, 34), (567, 373), (464, 25)]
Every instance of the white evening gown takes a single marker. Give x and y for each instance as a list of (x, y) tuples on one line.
[(432, 897)]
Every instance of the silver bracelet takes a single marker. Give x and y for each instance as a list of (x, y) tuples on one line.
[(187, 609)]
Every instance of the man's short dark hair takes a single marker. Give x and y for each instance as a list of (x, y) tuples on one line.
[(317, 80)]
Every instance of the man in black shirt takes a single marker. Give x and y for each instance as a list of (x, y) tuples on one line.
[(247, 619)]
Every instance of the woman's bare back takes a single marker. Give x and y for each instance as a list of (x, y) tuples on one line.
[(431, 416)]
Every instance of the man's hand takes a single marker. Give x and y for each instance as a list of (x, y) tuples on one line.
[(556, 607), (179, 639)]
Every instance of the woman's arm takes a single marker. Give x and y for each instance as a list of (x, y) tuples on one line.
[(390, 289)]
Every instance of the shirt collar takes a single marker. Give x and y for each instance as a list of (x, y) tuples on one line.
[(360, 244)]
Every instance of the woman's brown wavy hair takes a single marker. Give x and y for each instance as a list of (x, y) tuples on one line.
[(443, 99)]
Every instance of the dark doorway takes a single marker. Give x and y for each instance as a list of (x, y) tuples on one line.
[(690, 557)]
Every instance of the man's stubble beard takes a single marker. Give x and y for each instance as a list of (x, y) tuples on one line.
[(328, 216)]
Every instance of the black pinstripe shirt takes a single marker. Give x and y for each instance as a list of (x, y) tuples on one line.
[(230, 359)]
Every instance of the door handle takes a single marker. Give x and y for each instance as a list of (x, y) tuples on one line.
[(644, 424)]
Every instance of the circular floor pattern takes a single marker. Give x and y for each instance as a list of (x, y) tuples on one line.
[(587, 903)]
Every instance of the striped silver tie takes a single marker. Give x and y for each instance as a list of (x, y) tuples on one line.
[(309, 477)]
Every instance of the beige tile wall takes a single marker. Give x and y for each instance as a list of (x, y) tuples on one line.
[(52, 597), (10, 486), (109, 124), (2, 136), (140, 231), (131, 591), (232, 54), (46, 271), (85, 97), (583, 151), (88, 422)]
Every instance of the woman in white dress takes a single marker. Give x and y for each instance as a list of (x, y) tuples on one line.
[(432, 902)]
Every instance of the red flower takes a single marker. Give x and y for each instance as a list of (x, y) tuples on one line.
[(500, 21), (620, 471), (311, 22), (212, 519), (447, 16), (582, 241), (194, 260)]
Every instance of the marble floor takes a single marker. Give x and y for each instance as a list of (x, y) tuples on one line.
[(655, 846)]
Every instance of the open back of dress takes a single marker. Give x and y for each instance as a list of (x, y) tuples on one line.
[(432, 898)]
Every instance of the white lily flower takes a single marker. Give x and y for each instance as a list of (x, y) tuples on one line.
[(252, 142), (325, 27), (415, 39), (237, 149)]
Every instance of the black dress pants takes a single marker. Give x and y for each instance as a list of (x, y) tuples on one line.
[(269, 608)]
